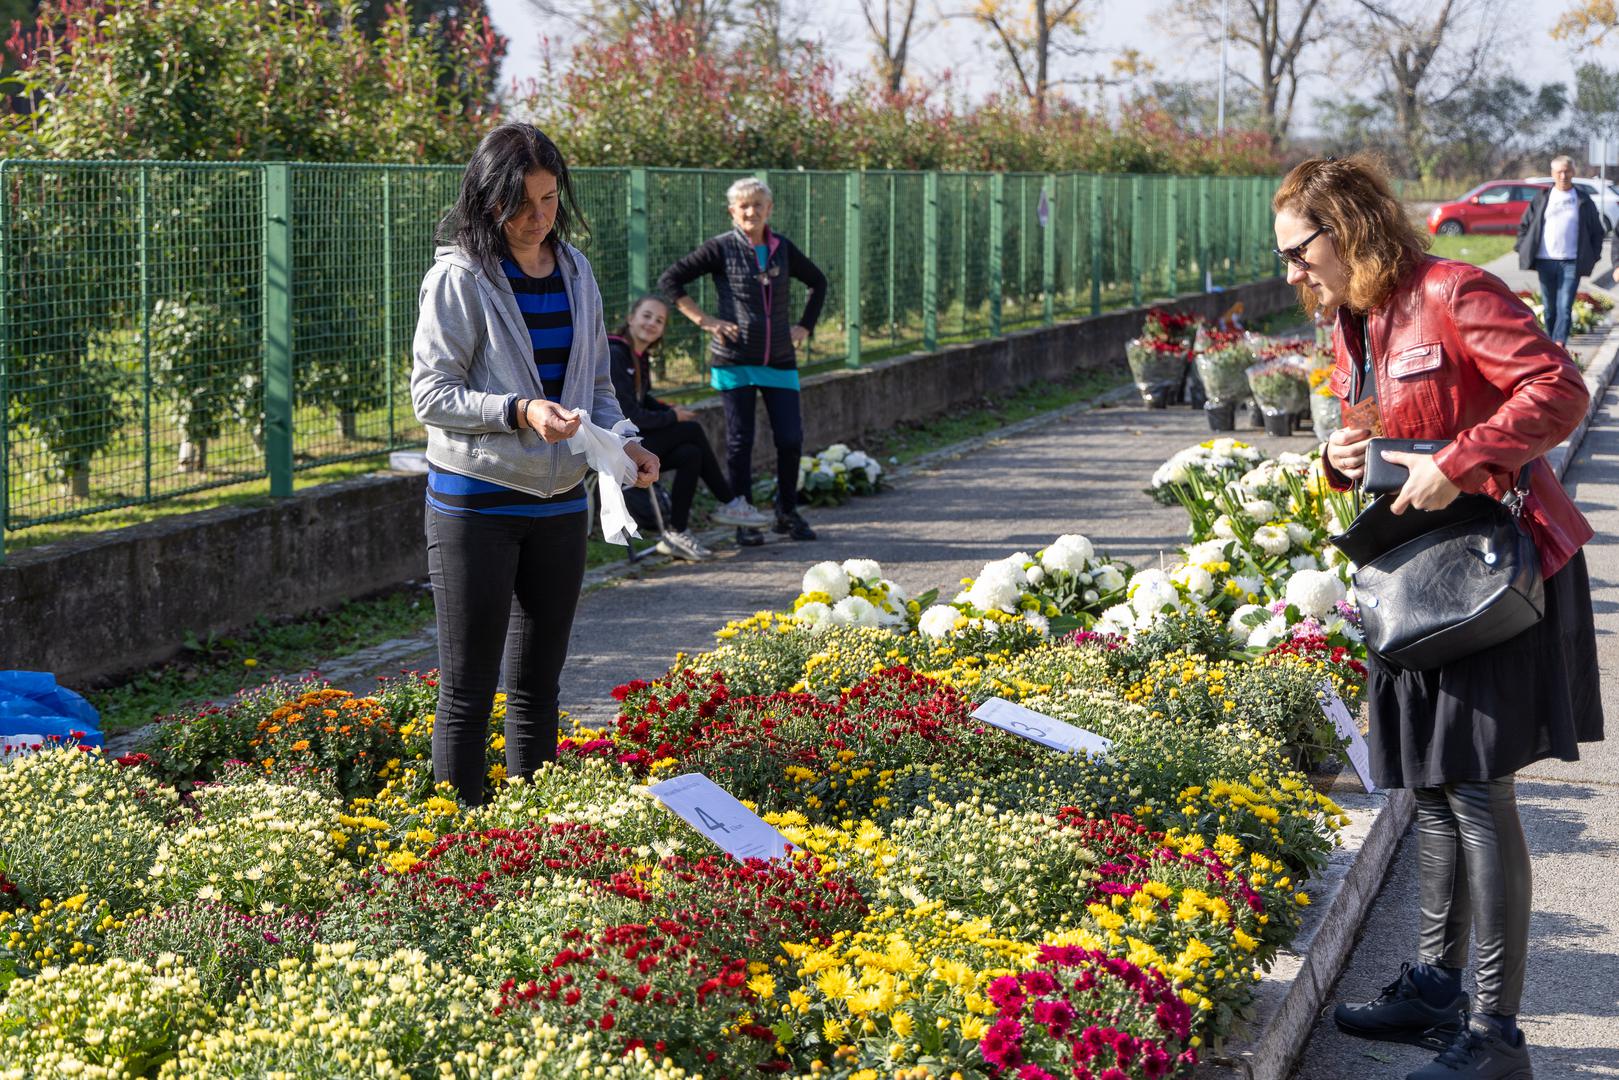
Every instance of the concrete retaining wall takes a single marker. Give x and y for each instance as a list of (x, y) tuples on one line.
[(96, 608)]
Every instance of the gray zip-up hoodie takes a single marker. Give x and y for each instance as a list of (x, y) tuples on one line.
[(473, 356)]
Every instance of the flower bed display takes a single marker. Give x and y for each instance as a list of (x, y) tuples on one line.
[(277, 887), (1588, 312)]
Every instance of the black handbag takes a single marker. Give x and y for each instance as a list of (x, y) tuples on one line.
[(1437, 585)]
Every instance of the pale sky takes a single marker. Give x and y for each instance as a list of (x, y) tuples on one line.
[(968, 52)]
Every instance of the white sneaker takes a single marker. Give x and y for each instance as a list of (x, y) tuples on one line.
[(742, 513), (683, 545)]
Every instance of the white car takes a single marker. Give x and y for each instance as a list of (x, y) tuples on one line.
[(1602, 192)]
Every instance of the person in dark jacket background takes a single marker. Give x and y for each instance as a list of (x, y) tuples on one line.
[(1560, 236), (754, 351), (672, 433)]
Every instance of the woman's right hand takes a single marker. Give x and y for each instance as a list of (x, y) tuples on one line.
[(550, 420), (1346, 451), (719, 329)]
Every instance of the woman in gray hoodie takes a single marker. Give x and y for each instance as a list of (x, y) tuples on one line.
[(510, 349)]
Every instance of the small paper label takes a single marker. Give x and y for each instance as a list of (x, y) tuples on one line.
[(717, 814), (1040, 728), (1335, 710)]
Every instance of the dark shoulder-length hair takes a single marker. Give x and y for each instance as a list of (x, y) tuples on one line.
[(492, 192), (1351, 196)]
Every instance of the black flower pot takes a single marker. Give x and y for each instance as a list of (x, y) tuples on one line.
[(1278, 423), (1158, 396), (1255, 417), (1222, 415)]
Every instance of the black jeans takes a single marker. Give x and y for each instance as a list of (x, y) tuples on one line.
[(501, 586), (787, 428), (1474, 875), (684, 448)]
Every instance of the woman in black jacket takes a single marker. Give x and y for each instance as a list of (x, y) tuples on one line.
[(754, 350), (672, 433)]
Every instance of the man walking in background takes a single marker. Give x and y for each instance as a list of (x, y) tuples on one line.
[(1560, 237)]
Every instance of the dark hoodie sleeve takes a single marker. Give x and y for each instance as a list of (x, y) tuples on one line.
[(800, 266), (623, 369)]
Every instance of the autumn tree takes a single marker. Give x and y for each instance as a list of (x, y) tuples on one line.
[(1587, 23), (1275, 33), (1032, 34), (894, 27)]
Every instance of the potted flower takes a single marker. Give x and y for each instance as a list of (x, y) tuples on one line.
[(1160, 324), (1281, 386), (1222, 360), (1325, 414), (1158, 366)]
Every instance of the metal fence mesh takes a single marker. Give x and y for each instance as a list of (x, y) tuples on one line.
[(134, 318)]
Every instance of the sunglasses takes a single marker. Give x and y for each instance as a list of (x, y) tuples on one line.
[(1294, 256)]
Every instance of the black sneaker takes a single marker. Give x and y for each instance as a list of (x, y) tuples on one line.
[(1479, 1052), (1400, 1014), (746, 537), (792, 525)]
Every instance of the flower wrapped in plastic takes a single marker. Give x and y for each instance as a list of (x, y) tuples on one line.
[(1223, 358), (1158, 366), (1281, 384)]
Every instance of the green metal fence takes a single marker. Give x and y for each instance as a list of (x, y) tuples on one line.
[(169, 327)]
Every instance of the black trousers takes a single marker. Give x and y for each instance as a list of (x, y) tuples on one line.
[(505, 588), (786, 426), (683, 447), (1475, 876)]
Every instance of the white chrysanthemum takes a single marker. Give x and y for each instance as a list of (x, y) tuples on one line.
[(835, 452), (1249, 583), (1119, 619), (1040, 623), (1151, 592), (1267, 633), (813, 616), (1305, 561), (1209, 551), (1224, 446), (1299, 534), (863, 569), (828, 578), (1222, 527), (938, 621), (857, 459), (1196, 580), (872, 471), (1272, 539), (1260, 510), (1035, 574), (1315, 592), (1246, 618), (1331, 556), (896, 592), (994, 592), (1109, 578), (806, 463), (855, 611), (1295, 463)]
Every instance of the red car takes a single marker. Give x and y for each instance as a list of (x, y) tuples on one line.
[(1492, 207)]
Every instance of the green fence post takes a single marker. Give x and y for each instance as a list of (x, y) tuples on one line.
[(278, 327), (1048, 251), (388, 299), (5, 353), (1023, 239), (963, 252), (146, 335), (1096, 244), (1073, 242), (893, 240), (1136, 254), (638, 239), (851, 268), (997, 226), (1203, 205), (1174, 239), (930, 261)]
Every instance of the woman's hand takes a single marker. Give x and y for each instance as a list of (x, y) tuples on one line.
[(1426, 488), (682, 413), (550, 420), (1346, 451), (646, 464), (799, 335), (720, 330)]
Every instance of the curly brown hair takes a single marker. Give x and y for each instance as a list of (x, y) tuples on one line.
[(1351, 196)]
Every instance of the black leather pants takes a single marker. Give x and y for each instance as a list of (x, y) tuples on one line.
[(1474, 870)]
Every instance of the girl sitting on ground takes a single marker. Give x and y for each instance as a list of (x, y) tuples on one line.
[(672, 433)]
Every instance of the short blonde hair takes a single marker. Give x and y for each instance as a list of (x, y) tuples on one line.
[(746, 188), (1562, 159), (1375, 239)]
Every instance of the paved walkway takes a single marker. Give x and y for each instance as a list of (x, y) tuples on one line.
[(1571, 815), (1084, 474)]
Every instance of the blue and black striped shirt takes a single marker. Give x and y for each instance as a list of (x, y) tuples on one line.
[(544, 304)]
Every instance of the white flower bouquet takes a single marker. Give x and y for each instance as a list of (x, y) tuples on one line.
[(851, 593), (833, 476)]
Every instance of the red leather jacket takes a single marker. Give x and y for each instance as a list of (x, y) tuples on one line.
[(1457, 356)]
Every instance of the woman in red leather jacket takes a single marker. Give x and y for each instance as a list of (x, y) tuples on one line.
[(1432, 349)]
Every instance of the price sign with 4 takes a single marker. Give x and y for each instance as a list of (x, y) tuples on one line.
[(717, 814), (1040, 728)]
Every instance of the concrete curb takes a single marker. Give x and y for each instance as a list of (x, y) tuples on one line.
[(1294, 993)]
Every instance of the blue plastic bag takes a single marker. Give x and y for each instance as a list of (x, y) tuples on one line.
[(32, 704)]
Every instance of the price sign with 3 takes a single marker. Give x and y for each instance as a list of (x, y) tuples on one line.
[(1040, 728), (717, 814)]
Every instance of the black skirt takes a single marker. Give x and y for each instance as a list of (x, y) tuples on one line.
[(1490, 714)]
